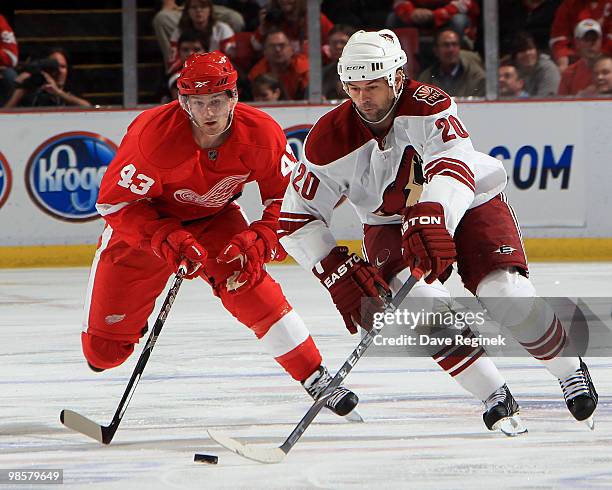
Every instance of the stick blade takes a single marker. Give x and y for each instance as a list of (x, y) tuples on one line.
[(85, 426), (259, 454)]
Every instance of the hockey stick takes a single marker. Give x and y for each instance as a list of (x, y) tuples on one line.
[(105, 433), (276, 454)]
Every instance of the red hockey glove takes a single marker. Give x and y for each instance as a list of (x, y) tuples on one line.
[(173, 243), (251, 249), (348, 278), (425, 240)]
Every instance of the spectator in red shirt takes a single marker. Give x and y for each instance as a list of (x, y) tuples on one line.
[(578, 76), (459, 15), (280, 60), (569, 13), (9, 55), (291, 17)]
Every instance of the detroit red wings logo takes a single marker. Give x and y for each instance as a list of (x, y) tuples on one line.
[(217, 196), (429, 95)]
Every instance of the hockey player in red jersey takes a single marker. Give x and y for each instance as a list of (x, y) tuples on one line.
[(398, 151), (168, 195)]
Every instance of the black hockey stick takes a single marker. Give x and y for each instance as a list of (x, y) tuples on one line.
[(105, 433), (276, 454)]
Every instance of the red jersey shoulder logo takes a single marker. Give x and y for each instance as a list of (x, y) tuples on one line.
[(217, 196), (429, 95)]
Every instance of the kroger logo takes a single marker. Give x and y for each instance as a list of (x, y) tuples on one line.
[(63, 175), (296, 136), (5, 180)]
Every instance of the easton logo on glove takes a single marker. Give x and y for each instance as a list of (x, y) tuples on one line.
[(422, 220), (342, 269)]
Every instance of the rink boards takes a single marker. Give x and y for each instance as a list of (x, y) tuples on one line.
[(556, 155)]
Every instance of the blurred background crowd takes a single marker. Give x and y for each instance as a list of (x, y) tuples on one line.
[(62, 53)]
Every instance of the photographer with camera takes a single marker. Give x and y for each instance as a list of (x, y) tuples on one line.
[(41, 83)]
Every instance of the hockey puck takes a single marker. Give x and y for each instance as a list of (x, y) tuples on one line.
[(206, 458)]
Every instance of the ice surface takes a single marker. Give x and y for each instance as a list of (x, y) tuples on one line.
[(208, 371)]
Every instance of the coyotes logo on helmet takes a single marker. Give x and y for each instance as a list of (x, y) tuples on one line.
[(388, 37), (429, 95)]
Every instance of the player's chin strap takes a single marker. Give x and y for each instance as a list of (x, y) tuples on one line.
[(185, 105), (396, 95)]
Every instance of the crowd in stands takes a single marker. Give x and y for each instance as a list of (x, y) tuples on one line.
[(548, 48)]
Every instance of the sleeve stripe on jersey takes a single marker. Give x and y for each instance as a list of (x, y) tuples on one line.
[(291, 222), (451, 168), (106, 209), (267, 202), (11, 56)]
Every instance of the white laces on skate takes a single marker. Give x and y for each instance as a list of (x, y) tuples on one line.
[(498, 396), (574, 385), (316, 384)]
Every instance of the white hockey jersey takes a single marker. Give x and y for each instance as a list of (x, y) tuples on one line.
[(426, 156)]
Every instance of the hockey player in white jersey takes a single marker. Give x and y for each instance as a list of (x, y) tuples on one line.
[(400, 154)]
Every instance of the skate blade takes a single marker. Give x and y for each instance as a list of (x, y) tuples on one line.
[(354, 416), (511, 426), (590, 423)]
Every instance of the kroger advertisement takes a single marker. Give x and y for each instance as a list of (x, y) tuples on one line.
[(51, 165)]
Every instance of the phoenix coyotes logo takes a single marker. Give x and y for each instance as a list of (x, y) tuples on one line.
[(388, 37), (217, 196), (429, 95)]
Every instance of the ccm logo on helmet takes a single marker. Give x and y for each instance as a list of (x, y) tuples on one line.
[(423, 220), (341, 270), (355, 67)]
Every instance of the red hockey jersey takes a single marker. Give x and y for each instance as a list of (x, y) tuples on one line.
[(569, 13), (9, 54), (160, 172)]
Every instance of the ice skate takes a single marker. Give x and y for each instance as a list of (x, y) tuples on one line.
[(502, 413), (580, 395), (342, 401)]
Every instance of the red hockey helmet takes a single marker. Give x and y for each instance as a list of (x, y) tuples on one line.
[(207, 73)]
